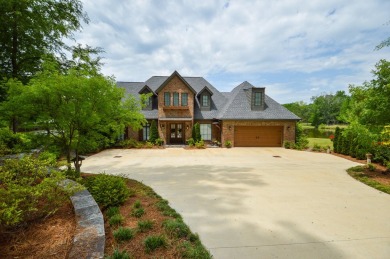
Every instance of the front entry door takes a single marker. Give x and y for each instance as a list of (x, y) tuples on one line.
[(176, 133)]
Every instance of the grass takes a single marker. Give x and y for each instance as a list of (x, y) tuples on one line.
[(123, 234), (189, 250), (176, 228), (357, 172), (137, 204), (119, 255), (116, 220), (145, 225), (322, 126), (137, 212), (162, 205), (153, 242), (111, 211), (322, 142)]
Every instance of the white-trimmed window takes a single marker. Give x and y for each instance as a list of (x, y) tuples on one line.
[(205, 131)]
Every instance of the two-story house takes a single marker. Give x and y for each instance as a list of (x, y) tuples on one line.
[(246, 116)]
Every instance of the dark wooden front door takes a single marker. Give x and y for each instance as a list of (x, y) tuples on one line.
[(176, 133)]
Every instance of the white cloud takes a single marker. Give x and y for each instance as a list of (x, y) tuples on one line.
[(235, 38)]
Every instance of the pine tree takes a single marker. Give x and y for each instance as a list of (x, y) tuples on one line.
[(153, 134)]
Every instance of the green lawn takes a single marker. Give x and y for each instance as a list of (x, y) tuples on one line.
[(323, 142), (324, 127)]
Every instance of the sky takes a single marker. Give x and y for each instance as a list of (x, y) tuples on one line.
[(296, 49)]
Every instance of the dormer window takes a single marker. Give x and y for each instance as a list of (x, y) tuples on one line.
[(257, 99), (148, 103), (205, 100), (257, 102)]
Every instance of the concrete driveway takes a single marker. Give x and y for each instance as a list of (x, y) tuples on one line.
[(263, 202)]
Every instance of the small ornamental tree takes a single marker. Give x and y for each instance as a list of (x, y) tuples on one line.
[(196, 133), (193, 132), (153, 134)]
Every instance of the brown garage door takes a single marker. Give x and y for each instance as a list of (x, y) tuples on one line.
[(250, 136)]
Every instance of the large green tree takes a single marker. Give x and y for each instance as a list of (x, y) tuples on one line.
[(80, 110), (31, 29), (301, 109), (370, 102), (326, 108)]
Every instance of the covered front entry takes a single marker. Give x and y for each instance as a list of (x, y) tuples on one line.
[(258, 136), (176, 134)]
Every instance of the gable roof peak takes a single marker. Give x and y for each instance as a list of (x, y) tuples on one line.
[(205, 89), (175, 73)]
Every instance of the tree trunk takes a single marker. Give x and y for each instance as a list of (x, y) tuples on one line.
[(15, 46)]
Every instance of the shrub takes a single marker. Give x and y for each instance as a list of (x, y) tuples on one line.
[(176, 228), (196, 132), (370, 167), (50, 157), (28, 191), (119, 255), (107, 190), (111, 211), (128, 143), (153, 242), (190, 142), (144, 225), (137, 212), (228, 144), (148, 144), (287, 144), (123, 234), (137, 204), (200, 144), (357, 168), (153, 134), (317, 147), (381, 153), (116, 220), (159, 142)]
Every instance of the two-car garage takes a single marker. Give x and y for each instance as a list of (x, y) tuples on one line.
[(258, 136)]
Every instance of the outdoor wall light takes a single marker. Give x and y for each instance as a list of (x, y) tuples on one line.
[(187, 127), (162, 126), (230, 127), (288, 127)]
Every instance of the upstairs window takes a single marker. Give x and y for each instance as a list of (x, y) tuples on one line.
[(205, 100), (184, 99), (149, 101), (257, 99), (167, 99), (175, 99)]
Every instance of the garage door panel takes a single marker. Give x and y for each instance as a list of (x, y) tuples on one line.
[(256, 136)]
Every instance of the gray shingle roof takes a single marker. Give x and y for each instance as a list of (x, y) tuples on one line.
[(239, 107), (224, 105)]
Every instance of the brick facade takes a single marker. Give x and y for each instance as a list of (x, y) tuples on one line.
[(228, 128), (175, 85)]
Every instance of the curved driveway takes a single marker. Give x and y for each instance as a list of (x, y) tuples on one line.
[(263, 202)]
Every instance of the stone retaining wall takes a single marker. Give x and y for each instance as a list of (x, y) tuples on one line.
[(89, 239)]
